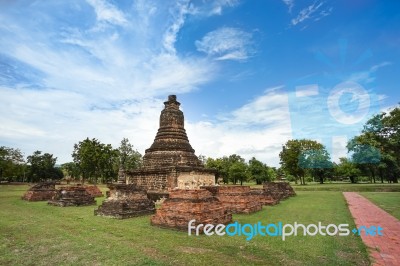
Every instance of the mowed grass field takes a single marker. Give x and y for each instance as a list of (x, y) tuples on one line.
[(388, 201), (34, 233)]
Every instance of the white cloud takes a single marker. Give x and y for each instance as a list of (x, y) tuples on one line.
[(312, 11), (93, 83), (219, 5), (226, 44), (258, 129), (289, 4), (107, 12), (178, 15), (367, 76)]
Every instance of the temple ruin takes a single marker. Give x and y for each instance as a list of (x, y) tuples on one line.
[(125, 201), (94, 191), (72, 196), (41, 191), (170, 162), (184, 205)]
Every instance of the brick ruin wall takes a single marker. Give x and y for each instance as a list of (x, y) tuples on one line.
[(184, 205), (125, 201), (72, 196), (237, 199), (278, 190), (150, 180), (40, 192)]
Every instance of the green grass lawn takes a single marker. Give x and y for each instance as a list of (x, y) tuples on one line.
[(360, 187), (389, 201), (33, 233)]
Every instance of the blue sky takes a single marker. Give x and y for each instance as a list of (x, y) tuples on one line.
[(250, 74)]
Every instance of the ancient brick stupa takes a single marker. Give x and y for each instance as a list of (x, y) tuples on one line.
[(40, 191), (72, 196), (170, 162)]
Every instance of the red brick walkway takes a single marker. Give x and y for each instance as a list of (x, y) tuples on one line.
[(384, 250)]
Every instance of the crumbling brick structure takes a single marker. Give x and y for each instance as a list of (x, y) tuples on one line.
[(125, 201), (264, 198), (278, 190), (94, 191), (72, 196), (184, 205), (237, 199), (170, 162), (39, 192)]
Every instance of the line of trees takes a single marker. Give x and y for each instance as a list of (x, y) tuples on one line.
[(375, 153), (93, 161), (96, 162), (235, 169), (37, 166)]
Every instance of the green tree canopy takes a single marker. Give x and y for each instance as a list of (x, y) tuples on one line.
[(318, 162), (346, 168), (291, 154), (12, 164), (42, 167), (129, 158), (95, 160), (377, 148), (259, 171)]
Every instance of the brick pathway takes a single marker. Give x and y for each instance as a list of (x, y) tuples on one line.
[(384, 250)]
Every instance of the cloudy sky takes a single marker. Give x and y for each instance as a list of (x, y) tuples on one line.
[(250, 74)]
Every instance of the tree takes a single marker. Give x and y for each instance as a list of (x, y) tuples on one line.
[(377, 148), (221, 165), (95, 160), (259, 171), (71, 170), (42, 167), (346, 168), (12, 164), (129, 159), (318, 162), (224, 168), (238, 172), (291, 154)]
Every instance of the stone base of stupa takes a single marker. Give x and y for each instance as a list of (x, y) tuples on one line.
[(72, 196), (125, 201), (184, 205), (40, 192), (237, 199)]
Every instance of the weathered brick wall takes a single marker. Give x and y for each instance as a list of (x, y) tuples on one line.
[(149, 180), (263, 198), (94, 191), (237, 199), (278, 190), (184, 205)]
